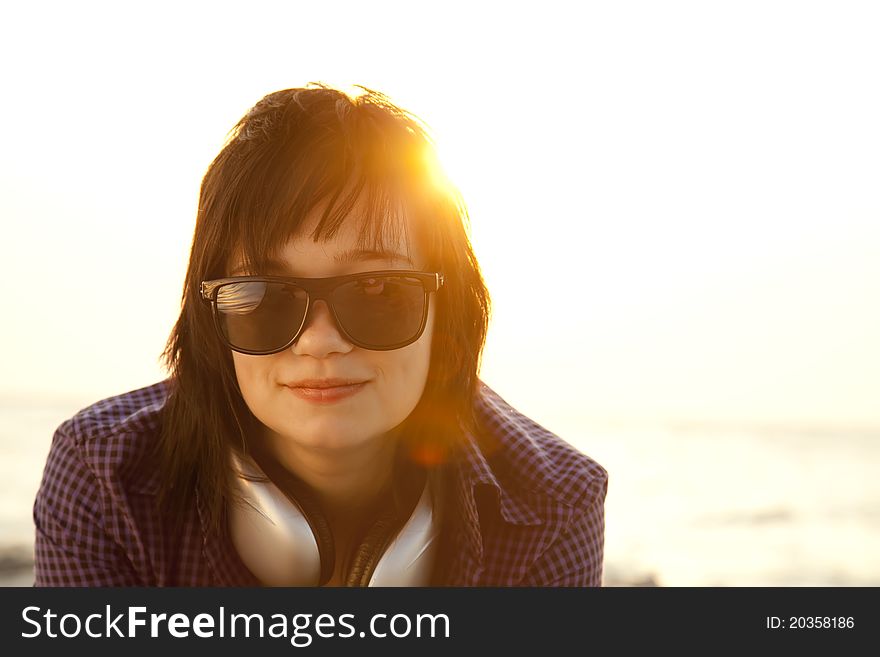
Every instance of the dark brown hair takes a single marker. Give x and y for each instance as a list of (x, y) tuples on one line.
[(294, 151)]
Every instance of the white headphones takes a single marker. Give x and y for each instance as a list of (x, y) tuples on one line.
[(283, 538)]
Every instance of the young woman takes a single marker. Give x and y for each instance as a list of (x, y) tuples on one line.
[(323, 422)]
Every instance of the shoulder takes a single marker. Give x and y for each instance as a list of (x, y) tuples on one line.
[(131, 412), (526, 458), (532, 504), (113, 436), (94, 514)]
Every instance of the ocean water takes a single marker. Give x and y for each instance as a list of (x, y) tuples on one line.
[(26, 430), (686, 506), (715, 506)]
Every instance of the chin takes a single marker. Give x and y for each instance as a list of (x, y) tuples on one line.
[(331, 433), (335, 443)]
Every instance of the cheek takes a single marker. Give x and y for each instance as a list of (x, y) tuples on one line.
[(252, 373), (242, 368), (407, 369)]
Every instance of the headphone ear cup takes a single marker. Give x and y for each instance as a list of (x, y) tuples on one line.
[(300, 494)]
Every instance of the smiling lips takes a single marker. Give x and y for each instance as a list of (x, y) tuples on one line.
[(324, 383), (320, 392)]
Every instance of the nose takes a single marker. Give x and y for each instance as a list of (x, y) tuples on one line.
[(320, 334)]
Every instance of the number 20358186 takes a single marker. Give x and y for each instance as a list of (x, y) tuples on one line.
[(810, 623)]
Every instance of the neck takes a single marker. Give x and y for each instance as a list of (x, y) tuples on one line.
[(345, 482)]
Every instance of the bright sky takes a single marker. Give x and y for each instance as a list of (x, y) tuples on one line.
[(676, 204)]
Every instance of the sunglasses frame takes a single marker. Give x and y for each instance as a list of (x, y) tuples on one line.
[(320, 289)]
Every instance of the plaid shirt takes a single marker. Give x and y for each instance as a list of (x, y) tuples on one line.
[(531, 514)]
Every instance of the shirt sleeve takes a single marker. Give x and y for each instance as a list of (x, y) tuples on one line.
[(73, 546), (576, 557)]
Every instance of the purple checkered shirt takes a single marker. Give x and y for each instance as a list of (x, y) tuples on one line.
[(531, 514)]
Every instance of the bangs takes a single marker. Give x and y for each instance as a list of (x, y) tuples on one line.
[(385, 222), (386, 187)]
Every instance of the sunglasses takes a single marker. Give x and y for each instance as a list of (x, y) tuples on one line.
[(378, 310)]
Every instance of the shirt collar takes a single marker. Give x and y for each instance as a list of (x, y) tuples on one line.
[(472, 470)]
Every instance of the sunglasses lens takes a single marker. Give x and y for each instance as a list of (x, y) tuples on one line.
[(378, 312), (381, 312), (259, 316)]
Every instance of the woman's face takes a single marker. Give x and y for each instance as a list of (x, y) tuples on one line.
[(395, 379)]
